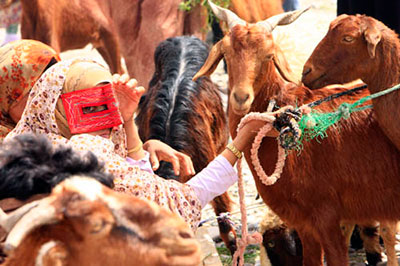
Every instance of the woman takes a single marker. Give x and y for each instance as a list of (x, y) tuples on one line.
[(71, 104), (21, 64)]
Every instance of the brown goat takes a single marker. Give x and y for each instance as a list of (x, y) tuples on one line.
[(367, 49), (360, 47), (85, 223), (132, 29), (66, 25), (321, 187)]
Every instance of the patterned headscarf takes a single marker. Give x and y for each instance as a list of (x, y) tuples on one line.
[(39, 117), (21, 64)]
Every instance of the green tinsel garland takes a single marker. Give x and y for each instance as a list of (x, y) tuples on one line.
[(315, 124)]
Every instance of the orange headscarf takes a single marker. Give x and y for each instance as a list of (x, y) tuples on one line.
[(22, 62)]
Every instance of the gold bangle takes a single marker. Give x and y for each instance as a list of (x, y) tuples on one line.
[(234, 150), (136, 149)]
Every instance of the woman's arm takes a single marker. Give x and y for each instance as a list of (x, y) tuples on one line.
[(219, 174), (128, 95)]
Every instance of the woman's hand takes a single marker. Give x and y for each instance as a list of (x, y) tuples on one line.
[(248, 132), (128, 95), (160, 151)]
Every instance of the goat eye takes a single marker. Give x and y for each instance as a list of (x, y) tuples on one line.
[(348, 38), (271, 244)]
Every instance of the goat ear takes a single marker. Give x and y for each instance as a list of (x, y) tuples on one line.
[(373, 36), (283, 67), (52, 253), (212, 61)]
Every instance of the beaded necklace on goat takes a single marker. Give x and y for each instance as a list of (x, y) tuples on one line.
[(294, 126)]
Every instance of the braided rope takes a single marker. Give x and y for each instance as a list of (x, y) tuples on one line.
[(256, 238)]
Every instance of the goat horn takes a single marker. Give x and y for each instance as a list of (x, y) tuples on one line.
[(43, 213), (7, 221), (226, 15), (282, 19)]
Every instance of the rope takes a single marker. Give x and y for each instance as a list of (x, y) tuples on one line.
[(256, 237), (336, 95)]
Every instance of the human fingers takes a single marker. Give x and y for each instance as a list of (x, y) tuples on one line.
[(175, 164), (124, 78), (155, 163), (186, 164), (132, 83), (115, 78), (140, 90)]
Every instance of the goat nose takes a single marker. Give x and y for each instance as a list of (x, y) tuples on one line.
[(239, 99), (306, 71)]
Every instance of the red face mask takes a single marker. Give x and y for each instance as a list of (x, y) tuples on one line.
[(91, 109)]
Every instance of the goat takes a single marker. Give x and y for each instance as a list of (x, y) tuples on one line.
[(82, 217), (85, 223), (114, 27), (367, 49), (280, 245), (188, 116), (69, 25), (364, 48), (250, 11), (319, 189)]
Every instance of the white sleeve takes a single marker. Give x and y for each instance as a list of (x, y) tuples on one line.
[(213, 180), (144, 163)]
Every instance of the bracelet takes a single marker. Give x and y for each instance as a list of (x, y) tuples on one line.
[(234, 150), (136, 149)]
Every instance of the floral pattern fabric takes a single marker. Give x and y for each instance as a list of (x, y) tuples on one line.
[(39, 118)]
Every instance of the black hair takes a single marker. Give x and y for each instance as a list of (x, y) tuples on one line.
[(30, 165)]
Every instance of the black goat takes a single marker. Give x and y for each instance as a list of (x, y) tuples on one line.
[(187, 115)]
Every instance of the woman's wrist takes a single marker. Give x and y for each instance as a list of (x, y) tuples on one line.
[(129, 119), (232, 148), (134, 143), (136, 149)]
